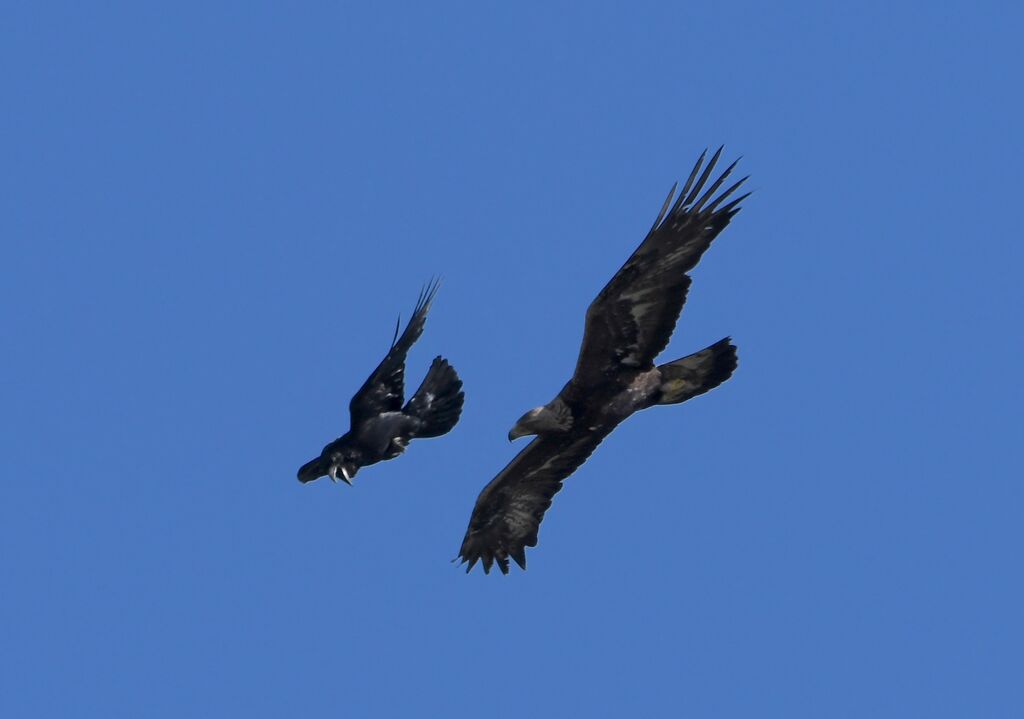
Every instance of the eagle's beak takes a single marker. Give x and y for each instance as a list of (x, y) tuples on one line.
[(517, 432)]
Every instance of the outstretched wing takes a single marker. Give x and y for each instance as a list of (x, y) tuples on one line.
[(384, 390), (509, 510), (631, 320)]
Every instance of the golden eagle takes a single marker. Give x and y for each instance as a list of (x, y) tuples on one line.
[(627, 326), (380, 426)]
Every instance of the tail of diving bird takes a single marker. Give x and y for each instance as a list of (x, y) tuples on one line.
[(438, 401), (698, 373)]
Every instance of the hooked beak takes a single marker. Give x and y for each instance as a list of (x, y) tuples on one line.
[(517, 432), (333, 474)]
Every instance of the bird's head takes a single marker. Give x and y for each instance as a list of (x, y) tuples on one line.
[(525, 425), (342, 467), (333, 462), (540, 420)]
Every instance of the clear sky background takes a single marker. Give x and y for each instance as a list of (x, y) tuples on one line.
[(212, 213)]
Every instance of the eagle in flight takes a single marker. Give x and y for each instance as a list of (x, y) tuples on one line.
[(380, 426), (627, 326)]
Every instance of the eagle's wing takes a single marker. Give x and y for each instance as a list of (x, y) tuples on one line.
[(383, 391), (632, 318), (509, 510)]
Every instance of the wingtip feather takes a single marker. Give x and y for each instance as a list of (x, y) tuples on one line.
[(689, 182), (665, 206), (708, 169), (714, 187), (519, 556)]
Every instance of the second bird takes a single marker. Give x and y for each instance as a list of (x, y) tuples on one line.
[(381, 426)]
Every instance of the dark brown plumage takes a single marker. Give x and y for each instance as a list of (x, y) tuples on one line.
[(628, 325)]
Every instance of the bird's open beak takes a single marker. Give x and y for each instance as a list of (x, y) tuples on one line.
[(333, 474)]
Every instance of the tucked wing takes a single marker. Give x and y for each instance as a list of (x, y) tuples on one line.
[(631, 320), (384, 390), (509, 510)]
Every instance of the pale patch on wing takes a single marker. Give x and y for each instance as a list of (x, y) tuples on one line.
[(645, 317)]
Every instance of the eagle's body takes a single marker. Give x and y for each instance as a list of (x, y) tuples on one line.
[(628, 325), (381, 426)]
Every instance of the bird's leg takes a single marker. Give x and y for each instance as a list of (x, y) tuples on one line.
[(397, 446)]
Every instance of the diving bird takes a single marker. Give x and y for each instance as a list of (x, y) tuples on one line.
[(380, 426), (627, 326)]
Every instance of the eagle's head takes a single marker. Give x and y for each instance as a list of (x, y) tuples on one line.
[(542, 420)]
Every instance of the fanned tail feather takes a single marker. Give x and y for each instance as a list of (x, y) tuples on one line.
[(438, 401), (698, 373)]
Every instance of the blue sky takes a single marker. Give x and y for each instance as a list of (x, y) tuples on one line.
[(213, 212)]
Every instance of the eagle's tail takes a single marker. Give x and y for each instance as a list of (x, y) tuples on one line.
[(438, 401), (697, 373)]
